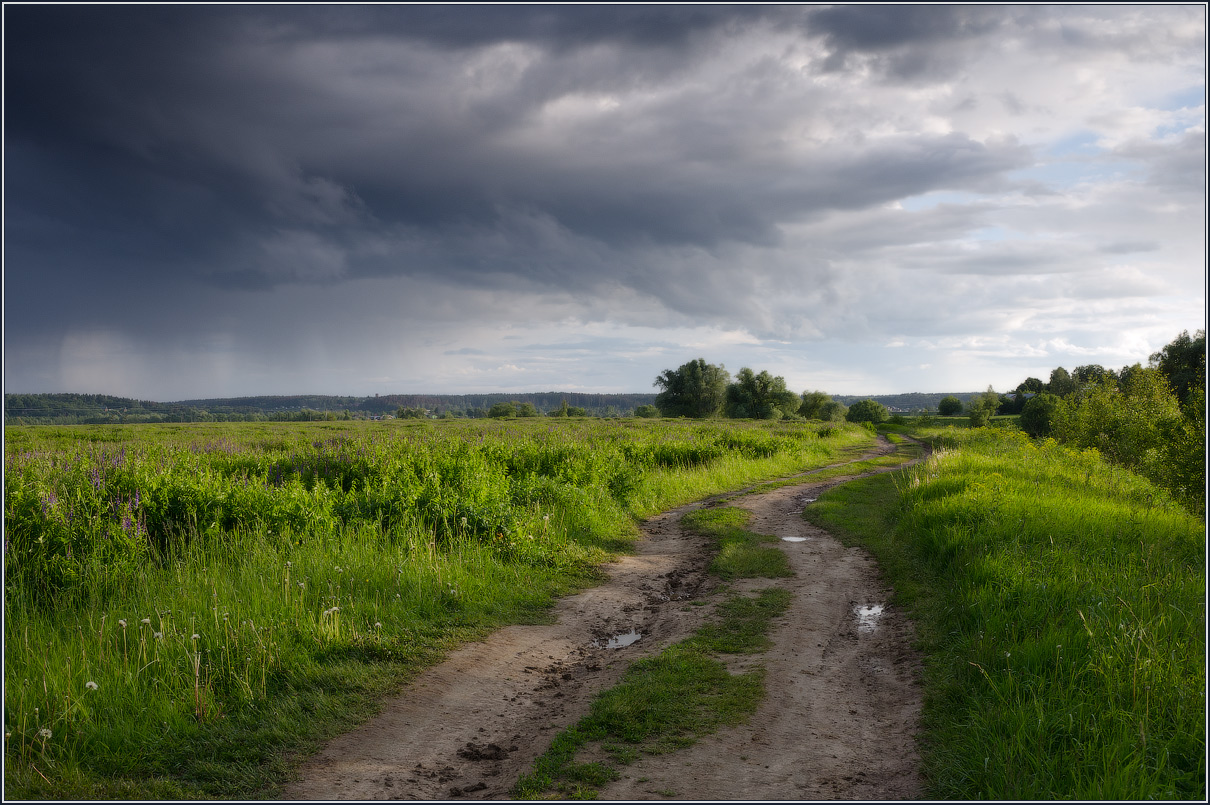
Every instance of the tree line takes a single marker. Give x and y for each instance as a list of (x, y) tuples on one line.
[(698, 390)]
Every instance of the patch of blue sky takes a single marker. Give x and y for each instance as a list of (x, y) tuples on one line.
[(927, 201), (990, 233), (1082, 143), (1073, 172), (1188, 98)]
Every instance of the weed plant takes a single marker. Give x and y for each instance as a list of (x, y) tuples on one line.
[(189, 606), (1060, 603)]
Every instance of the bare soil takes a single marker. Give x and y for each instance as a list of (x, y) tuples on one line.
[(838, 721)]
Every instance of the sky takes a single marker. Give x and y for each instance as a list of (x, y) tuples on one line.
[(218, 201)]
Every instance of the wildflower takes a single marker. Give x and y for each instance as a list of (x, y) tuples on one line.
[(288, 564), (91, 685), (159, 635), (546, 518), (146, 621), (45, 734), (377, 624), (196, 637), (122, 622)]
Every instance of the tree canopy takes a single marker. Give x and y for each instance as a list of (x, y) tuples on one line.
[(867, 411), (760, 396), (696, 389), (1183, 363)]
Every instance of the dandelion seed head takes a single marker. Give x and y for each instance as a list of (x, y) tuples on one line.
[(146, 621), (377, 624), (159, 635), (122, 622), (91, 685), (45, 734), (196, 637)]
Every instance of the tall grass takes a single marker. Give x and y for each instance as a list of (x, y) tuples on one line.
[(1060, 602), (186, 607)]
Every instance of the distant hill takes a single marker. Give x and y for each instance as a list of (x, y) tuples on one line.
[(72, 409), (908, 403), (67, 409)]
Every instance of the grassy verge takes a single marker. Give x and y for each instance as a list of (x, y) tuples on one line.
[(1059, 602), (189, 607), (666, 702)]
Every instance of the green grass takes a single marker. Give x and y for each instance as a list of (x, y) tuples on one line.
[(319, 564), (1059, 602), (740, 554)]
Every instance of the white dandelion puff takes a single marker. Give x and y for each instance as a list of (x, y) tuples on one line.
[(91, 685), (122, 622), (45, 734)]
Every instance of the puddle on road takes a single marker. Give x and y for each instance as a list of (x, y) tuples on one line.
[(794, 539), (867, 617), (620, 640)]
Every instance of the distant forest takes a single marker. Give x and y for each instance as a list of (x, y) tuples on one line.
[(89, 409)]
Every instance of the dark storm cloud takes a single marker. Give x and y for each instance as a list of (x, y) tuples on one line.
[(254, 146), (902, 41), (241, 182)]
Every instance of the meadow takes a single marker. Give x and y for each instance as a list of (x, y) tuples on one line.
[(1059, 602), (189, 608)]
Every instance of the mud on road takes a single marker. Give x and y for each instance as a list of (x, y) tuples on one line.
[(838, 720)]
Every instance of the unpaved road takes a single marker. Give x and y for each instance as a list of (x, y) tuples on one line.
[(838, 720)]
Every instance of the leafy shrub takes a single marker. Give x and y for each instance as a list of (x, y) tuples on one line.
[(867, 411)]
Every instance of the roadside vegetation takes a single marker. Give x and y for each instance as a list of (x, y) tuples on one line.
[(1059, 600), (189, 606)]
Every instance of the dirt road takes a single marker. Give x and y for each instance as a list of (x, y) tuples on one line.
[(837, 723)]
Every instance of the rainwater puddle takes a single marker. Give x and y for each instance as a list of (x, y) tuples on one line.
[(620, 640), (794, 539), (867, 617)]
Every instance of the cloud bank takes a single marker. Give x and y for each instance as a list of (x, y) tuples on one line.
[(208, 200)]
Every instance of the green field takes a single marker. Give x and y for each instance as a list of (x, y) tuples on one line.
[(190, 607), (1060, 604)]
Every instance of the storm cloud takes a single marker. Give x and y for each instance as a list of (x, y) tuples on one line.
[(352, 199)]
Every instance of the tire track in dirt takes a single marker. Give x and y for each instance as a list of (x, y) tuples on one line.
[(837, 723)]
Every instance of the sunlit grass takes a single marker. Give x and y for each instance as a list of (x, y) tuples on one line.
[(1060, 602), (319, 566)]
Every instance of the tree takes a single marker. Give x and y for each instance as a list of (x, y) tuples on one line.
[(759, 396), (411, 413), (647, 412), (812, 402), (983, 407), (502, 409), (1031, 385), (1038, 415), (1183, 363), (526, 409), (1061, 383), (867, 411), (949, 406), (833, 411), (695, 389), (1093, 373)]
